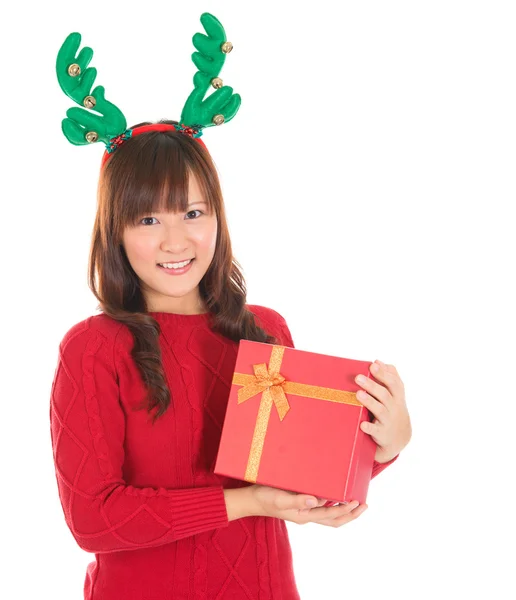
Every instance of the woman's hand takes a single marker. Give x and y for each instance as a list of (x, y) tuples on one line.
[(291, 506), (391, 429)]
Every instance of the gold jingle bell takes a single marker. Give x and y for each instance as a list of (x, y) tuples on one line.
[(92, 136), (226, 47), (74, 70), (218, 119), (89, 102), (216, 82)]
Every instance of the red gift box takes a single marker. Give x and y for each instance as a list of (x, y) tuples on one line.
[(293, 422)]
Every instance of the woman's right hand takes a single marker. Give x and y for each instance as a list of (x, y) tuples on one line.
[(291, 506)]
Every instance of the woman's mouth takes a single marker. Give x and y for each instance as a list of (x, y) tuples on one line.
[(176, 270)]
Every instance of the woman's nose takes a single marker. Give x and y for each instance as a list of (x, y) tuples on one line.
[(175, 237)]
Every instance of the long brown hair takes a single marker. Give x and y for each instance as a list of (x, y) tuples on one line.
[(144, 172)]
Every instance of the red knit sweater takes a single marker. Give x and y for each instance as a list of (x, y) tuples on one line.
[(143, 498)]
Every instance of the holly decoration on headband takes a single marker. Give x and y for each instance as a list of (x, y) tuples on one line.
[(76, 79), (190, 131), (118, 140)]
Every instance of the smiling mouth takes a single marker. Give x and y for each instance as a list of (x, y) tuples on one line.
[(176, 269)]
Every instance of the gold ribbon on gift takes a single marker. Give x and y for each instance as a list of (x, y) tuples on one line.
[(273, 386)]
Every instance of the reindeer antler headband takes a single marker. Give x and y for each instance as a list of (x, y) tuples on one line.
[(82, 127)]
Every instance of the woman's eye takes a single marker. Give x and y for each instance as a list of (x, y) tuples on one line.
[(193, 211), (144, 218)]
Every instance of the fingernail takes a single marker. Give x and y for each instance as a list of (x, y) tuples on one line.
[(311, 502)]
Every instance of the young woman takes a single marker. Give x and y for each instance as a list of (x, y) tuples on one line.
[(140, 392)]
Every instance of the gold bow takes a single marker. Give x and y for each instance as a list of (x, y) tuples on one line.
[(273, 387), (269, 381)]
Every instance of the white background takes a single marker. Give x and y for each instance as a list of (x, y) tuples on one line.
[(369, 184)]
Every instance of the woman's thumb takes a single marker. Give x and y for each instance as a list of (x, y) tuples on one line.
[(307, 502)]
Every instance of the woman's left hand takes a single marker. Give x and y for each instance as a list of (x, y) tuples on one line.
[(391, 429)]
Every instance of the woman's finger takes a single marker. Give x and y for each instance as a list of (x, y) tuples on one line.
[(320, 502), (347, 518), (331, 512)]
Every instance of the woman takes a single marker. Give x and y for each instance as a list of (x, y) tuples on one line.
[(140, 391)]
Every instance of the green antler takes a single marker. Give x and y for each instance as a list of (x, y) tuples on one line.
[(83, 127), (222, 105)]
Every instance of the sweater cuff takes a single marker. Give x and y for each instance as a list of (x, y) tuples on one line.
[(379, 467), (196, 510)]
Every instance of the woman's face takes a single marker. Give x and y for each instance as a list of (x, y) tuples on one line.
[(173, 237)]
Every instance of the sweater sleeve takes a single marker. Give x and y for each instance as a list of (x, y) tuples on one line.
[(379, 467), (287, 341), (87, 424)]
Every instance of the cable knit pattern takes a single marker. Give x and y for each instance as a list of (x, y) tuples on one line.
[(200, 557), (261, 557), (93, 345), (143, 498)]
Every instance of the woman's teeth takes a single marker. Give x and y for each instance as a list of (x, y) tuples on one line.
[(175, 265)]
